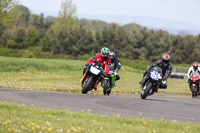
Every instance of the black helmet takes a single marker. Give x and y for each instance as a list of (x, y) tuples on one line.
[(112, 56), (195, 66)]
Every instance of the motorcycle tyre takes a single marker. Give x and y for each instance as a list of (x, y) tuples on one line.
[(105, 82), (86, 86), (194, 93), (146, 91)]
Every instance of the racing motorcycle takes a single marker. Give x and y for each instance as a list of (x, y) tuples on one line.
[(153, 82), (109, 81), (194, 82), (91, 77)]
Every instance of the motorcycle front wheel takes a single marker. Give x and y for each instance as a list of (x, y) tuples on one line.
[(194, 91), (105, 86), (145, 90), (86, 84)]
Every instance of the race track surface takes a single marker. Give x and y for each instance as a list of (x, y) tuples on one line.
[(162, 106)]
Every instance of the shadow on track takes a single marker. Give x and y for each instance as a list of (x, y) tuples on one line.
[(158, 100)]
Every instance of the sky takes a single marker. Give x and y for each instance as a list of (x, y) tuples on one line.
[(182, 14)]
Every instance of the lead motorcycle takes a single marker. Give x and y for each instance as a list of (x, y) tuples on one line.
[(153, 82), (91, 77), (194, 83)]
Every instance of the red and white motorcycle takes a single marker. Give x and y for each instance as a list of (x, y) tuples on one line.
[(194, 83)]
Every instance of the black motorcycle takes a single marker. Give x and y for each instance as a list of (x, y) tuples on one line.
[(153, 82), (91, 77)]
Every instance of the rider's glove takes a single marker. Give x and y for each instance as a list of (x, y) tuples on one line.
[(86, 65)]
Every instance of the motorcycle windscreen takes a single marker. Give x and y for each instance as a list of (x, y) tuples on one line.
[(94, 70)]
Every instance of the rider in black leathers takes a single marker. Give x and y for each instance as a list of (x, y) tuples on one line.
[(116, 63), (166, 67)]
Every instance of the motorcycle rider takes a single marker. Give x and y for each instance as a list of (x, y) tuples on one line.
[(166, 67), (102, 58), (193, 69), (116, 63)]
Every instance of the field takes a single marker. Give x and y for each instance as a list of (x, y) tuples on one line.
[(64, 75)]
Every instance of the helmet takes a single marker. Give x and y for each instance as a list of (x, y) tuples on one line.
[(105, 52), (165, 59), (195, 66), (112, 56)]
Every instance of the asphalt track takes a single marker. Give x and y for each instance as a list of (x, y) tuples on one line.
[(162, 106)]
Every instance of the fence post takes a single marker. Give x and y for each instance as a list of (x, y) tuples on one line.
[(174, 68)]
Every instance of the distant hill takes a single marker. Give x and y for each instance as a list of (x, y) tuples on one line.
[(171, 26), (98, 25)]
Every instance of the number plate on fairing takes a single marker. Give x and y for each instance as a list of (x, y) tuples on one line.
[(94, 70), (155, 76)]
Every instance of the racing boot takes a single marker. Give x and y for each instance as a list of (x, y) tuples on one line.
[(114, 85), (163, 84)]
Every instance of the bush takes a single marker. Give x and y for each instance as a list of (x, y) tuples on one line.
[(10, 44)]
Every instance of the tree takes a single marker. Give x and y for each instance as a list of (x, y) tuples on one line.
[(8, 12), (67, 15), (59, 36), (31, 37)]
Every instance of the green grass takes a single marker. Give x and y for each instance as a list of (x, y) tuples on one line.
[(64, 75), (32, 52), (22, 118), (10, 64)]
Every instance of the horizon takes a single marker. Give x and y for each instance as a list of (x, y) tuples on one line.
[(182, 19)]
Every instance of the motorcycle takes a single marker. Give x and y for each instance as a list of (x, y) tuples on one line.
[(194, 82), (153, 82), (108, 81), (91, 77)]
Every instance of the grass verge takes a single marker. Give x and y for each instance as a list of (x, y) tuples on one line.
[(21, 118)]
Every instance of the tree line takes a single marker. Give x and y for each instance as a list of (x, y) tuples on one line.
[(66, 34)]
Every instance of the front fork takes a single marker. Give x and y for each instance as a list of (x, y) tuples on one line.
[(112, 76), (111, 80), (83, 77), (95, 84)]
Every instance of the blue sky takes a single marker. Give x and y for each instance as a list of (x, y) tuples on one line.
[(155, 12)]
